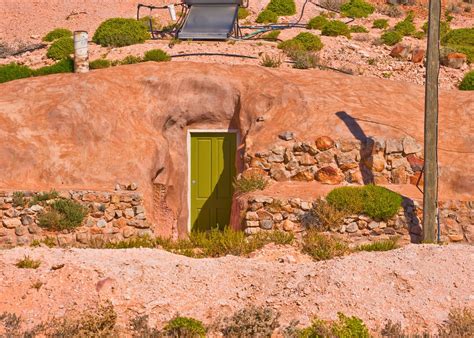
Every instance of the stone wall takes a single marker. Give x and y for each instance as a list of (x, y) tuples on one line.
[(373, 160), (112, 216), (264, 213)]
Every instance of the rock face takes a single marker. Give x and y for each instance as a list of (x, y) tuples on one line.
[(90, 131)]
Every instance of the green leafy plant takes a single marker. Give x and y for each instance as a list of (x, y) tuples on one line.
[(61, 48), (306, 40), (57, 34), (156, 55), (130, 60), (270, 61), (271, 36), (323, 247), (406, 27), (444, 28), (14, 71), (27, 263), (336, 28), (292, 45), (184, 327), (145, 21), (461, 40), (467, 82), (282, 7), (63, 214), (100, 64), (384, 245), (357, 9), (119, 32), (251, 322), (267, 16), (318, 22), (243, 13), (391, 38), (19, 199), (380, 24), (344, 327), (358, 29), (251, 182), (62, 66), (348, 199)]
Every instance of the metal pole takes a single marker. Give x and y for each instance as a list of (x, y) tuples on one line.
[(430, 196), (81, 53)]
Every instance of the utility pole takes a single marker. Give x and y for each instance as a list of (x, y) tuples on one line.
[(430, 187)]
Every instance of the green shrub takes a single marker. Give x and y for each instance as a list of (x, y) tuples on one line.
[(358, 29), (243, 13), (145, 21), (406, 27), (380, 24), (309, 41), (282, 7), (270, 61), (57, 34), (61, 48), (100, 64), (44, 196), (322, 247), (444, 28), (19, 199), (343, 327), (391, 38), (136, 242), (336, 28), (63, 214), (467, 82), (323, 216), (348, 199), (292, 45), (119, 32), (251, 182), (462, 36), (28, 263), (384, 245), (62, 66), (267, 16), (271, 36), (357, 9), (14, 71), (156, 55), (184, 327), (251, 322), (130, 60), (318, 22)]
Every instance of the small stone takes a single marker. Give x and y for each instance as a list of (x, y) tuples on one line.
[(11, 223), (329, 175), (410, 146), (287, 225), (389, 231), (133, 186), (307, 159), (325, 157), (251, 216), (277, 217), (346, 145), (373, 225), (264, 215), (456, 238), (129, 213), (415, 162), (417, 55), (276, 158), (26, 220), (278, 150), (324, 143), (262, 199), (20, 230), (304, 175), (83, 237), (279, 173), (352, 227), (266, 224), (252, 224), (34, 229), (118, 213), (346, 160), (306, 205), (36, 208), (287, 135), (393, 146), (251, 231), (399, 175), (66, 239), (101, 223)]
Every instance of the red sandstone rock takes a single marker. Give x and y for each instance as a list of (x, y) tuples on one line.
[(307, 159), (329, 175), (253, 172), (399, 175), (417, 55), (454, 60), (304, 175), (400, 51), (415, 162), (324, 143)]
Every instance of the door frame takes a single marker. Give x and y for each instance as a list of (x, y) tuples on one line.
[(188, 146)]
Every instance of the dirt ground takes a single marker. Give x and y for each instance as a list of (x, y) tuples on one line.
[(416, 285)]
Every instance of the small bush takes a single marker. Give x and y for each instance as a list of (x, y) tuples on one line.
[(11, 324), (303, 59), (322, 247), (334, 5), (444, 28), (309, 41), (145, 21), (100, 64), (63, 214), (243, 13), (318, 22), (357, 9), (251, 322), (44, 196), (250, 183), (271, 36), (358, 29), (267, 16), (392, 11), (28, 263), (62, 66), (343, 327), (460, 323), (14, 71), (119, 32), (336, 28), (130, 60), (184, 327), (19, 199), (384, 245), (391, 38), (380, 24), (138, 242), (348, 199), (57, 34), (61, 49), (292, 45), (406, 26), (141, 328), (282, 7), (461, 36), (467, 82), (323, 217), (50, 242), (270, 61), (156, 55)]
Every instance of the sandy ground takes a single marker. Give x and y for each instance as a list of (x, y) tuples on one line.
[(416, 285)]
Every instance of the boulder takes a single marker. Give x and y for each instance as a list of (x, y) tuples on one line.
[(400, 51), (417, 55), (329, 175), (454, 60)]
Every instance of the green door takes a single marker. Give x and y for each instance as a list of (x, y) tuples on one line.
[(212, 173)]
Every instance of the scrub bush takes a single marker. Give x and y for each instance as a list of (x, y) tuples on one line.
[(119, 32), (406, 26), (270, 61), (184, 327), (28, 263), (391, 38), (19, 199), (467, 82), (156, 55), (41, 197), (100, 64), (243, 13), (271, 36), (444, 28), (282, 7), (380, 24), (57, 34), (251, 322), (344, 327), (322, 247), (323, 216), (63, 214), (460, 323), (357, 9), (384, 245), (318, 22), (61, 48), (290, 46), (462, 41), (336, 28), (267, 16), (358, 29), (62, 66), (303, 59), (309, 41), (251, 183), (130, 60), (14, 71)]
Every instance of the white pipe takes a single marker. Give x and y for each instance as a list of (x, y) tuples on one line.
[(81, 53)]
